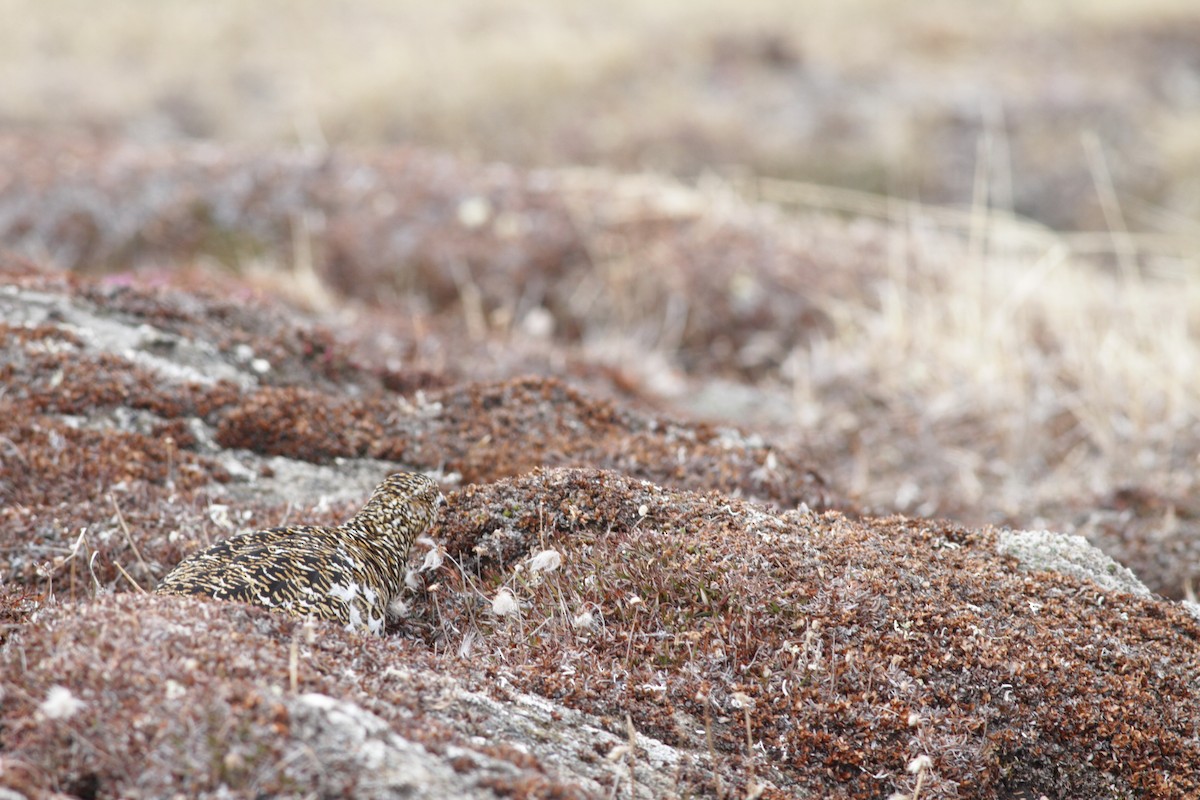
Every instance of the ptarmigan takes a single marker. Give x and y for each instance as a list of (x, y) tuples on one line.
[(348, 574)]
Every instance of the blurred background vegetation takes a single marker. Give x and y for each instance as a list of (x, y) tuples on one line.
[(1048, 100)]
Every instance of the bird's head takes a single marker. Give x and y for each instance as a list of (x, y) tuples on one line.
[(405, 504)]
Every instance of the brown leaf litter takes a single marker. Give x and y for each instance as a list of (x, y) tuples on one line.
[(852, 648)]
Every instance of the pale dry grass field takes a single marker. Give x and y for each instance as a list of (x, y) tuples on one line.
[(889, 97), (997, 363), (987, 368), (1025, 371)]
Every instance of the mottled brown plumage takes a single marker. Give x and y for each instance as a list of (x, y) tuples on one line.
[(349, 573)]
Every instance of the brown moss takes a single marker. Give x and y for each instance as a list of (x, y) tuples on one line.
[(112, 737), (491, 430), (203, 706), (71, 383), (59, 464), (485, 431), (299, 423), (860, 645), (17, 605), (44, 334)]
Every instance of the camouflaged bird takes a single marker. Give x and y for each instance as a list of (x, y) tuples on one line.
[(348, 574)]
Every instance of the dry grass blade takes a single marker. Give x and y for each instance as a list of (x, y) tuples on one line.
[(127, 577), (129, 536), (1123, 246)]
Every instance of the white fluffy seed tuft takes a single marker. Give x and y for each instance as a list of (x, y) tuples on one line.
[(742, 700), (920, 764), (504, 604), (545, 561), (433, 560), (397, 608), (411, 581), (61, 704)]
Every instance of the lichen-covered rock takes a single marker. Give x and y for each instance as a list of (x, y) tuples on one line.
[(1069, 555)]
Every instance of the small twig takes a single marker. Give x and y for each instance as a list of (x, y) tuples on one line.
[(632, 734), (80, 541), (470, 297), (129, 536), (92, 571), (1123, 244), (749, 743), (747, 703), (712, 749), (136, 585), (294, 663), (919, 766), (12, 446), (48, 570)]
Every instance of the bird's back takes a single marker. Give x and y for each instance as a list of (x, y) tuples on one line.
[(302, 570)]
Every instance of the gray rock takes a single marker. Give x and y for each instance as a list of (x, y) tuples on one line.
[(344, 750), (1069, 554)]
